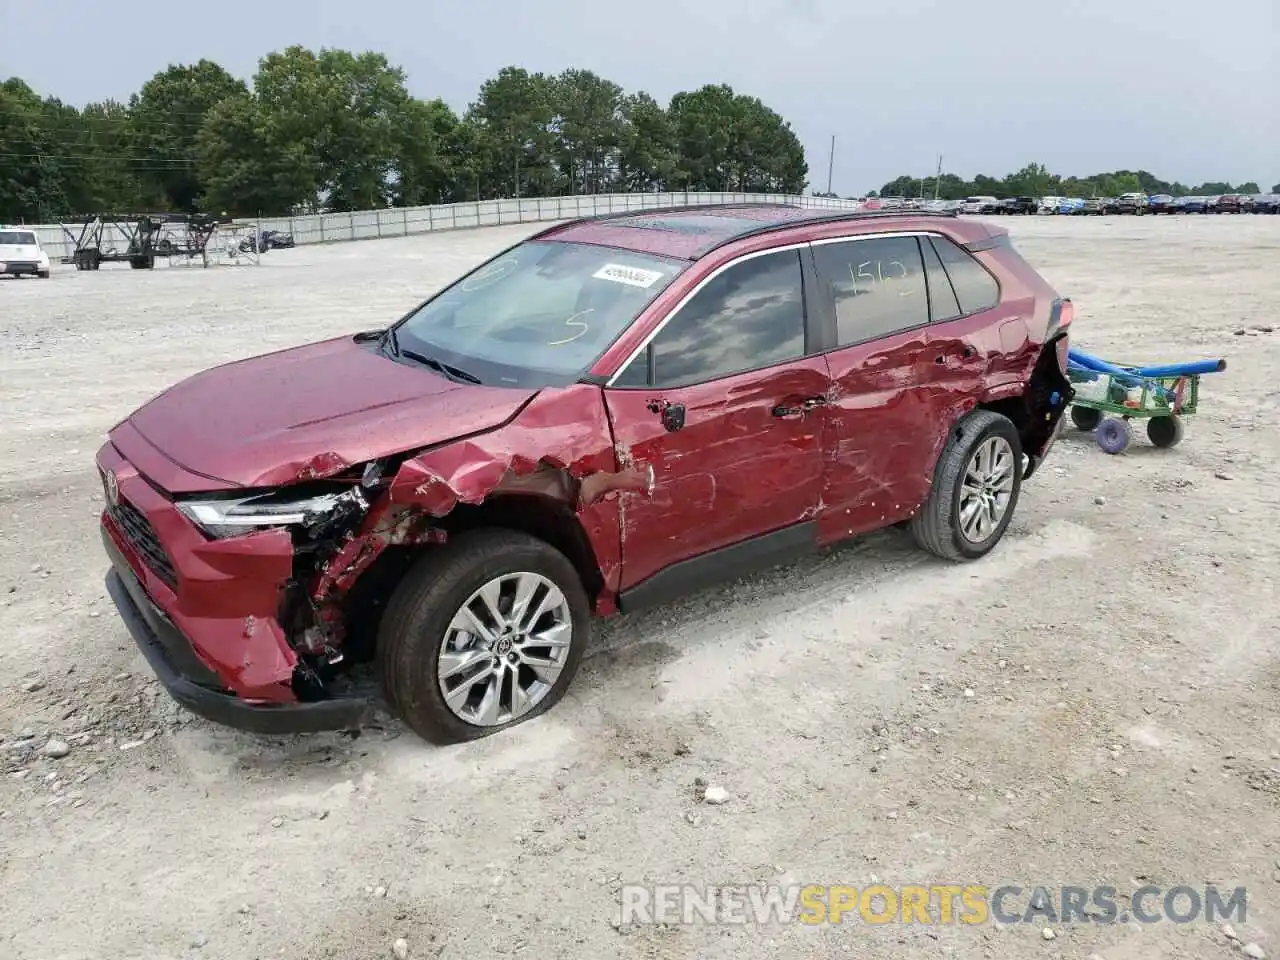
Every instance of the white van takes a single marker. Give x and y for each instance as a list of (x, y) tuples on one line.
[(20, 252)]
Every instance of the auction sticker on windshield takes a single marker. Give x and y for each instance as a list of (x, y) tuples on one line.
[(633, 276)]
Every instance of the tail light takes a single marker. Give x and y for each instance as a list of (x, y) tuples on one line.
[(1064, 312)]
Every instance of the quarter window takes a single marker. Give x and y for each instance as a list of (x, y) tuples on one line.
[(942, 299), (975, 289), (748, 317), (878, 286)]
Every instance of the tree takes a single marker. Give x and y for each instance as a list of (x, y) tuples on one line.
[(1275, 188), (647, 153), (587, 116), (167, 114), (514, 113), (728, 142), (249, 165)]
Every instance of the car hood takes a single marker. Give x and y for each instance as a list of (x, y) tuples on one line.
[(308, 412)]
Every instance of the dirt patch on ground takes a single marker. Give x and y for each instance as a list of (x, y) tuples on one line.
[(1095, 703)]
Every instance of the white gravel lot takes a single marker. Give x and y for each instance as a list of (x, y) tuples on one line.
[(1121, 648)]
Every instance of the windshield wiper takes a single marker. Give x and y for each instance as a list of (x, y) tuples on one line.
[(389, 340), (452, 372)]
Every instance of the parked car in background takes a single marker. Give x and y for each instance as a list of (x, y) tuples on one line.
[(1048, 205), (1231, 203), (1266, 203), (986, 205), (1020, 206), (608, 414), (1069, 206), (21, 253), (1211, 204), (1095, 206), (1161, 203), (1189, 205), (1135, 203)]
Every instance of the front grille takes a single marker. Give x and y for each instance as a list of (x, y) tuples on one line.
[(137, 529)]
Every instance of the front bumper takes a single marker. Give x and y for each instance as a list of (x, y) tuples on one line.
[(171, 658), (204, 613)]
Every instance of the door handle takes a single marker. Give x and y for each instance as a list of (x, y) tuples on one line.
[(798, 408)]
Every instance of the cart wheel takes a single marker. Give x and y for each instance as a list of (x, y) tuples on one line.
[(1085, 418), (1113, 435), (1165, 431)]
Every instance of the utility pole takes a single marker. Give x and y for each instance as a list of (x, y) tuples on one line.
[(937, 178), (831, 162)]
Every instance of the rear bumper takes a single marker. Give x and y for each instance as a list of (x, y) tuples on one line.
[(16, 268), (193, 685)]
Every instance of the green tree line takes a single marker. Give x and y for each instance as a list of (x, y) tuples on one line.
[(340, 131), (1035, 180)]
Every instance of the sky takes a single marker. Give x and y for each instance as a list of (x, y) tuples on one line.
[(1187, 90)]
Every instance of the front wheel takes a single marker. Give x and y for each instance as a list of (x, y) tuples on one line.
[(975, 489), (481, 634)]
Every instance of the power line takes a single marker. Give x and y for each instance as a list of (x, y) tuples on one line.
[(97, 158)]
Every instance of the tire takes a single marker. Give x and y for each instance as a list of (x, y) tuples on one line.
[(936, 526), (1085, 418), (1165, 432), (1113, 435), (416, 627)]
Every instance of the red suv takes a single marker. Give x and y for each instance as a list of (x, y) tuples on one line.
[(612, 412)]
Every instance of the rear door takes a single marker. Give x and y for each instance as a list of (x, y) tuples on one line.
[(721, 410), (879, 452), (979, 339)]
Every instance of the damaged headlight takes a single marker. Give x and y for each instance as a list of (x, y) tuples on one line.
[(230, 517)]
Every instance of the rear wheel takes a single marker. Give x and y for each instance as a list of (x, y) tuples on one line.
[(483, 633), (1165, 431), (975, 489), (1085, 418)]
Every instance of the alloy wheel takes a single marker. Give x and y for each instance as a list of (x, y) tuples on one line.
[(504, 649), (987, 489)]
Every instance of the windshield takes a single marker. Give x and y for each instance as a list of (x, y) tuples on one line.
[(17, 238), (539, 314)]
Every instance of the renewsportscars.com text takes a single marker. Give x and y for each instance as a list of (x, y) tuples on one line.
[(940, 904)]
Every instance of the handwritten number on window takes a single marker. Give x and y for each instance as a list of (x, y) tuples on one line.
[(885, 271)]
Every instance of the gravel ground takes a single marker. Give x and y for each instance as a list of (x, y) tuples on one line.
[(1094, 703)]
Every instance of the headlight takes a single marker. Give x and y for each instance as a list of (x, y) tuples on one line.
[(282, 508)]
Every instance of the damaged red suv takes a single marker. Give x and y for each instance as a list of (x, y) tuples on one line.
[(610, 413)]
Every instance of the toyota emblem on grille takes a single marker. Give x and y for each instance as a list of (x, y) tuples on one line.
[(113, 491)]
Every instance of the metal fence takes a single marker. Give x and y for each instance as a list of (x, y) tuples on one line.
[(407, 221)]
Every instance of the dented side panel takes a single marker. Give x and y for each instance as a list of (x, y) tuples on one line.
[(559, 446), (881, 425), (730, 471)]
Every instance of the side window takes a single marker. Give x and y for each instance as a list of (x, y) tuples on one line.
[(748, 317), (636, 373), (877, 284), (975, 289), (942, 299)]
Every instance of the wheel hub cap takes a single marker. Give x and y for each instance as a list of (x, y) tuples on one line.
[(504, 649), (986, 490)]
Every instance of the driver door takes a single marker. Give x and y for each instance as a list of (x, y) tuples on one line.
[(722, 408)]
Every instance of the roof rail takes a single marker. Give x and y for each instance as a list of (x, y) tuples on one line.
[(821, 215), (653, 211), (832, 217)]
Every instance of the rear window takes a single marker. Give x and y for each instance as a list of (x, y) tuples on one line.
[(17, 238)]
